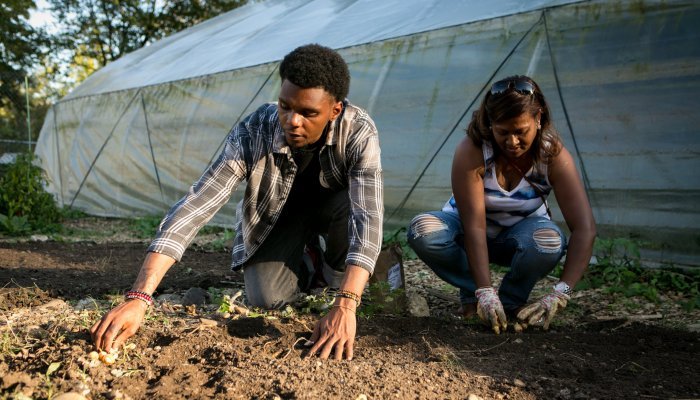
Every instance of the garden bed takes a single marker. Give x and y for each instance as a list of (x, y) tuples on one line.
[(605, 345)]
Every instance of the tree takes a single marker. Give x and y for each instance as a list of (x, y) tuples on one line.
[(92, 33), (22, 47), (105, 30)]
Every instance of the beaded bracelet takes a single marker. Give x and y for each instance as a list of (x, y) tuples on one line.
[(348, 295), (143, 296)]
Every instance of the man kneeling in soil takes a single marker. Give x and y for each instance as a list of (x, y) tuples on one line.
[(311, 162)]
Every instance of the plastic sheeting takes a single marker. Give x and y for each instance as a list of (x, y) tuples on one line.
[(621, 77), (263, 32)]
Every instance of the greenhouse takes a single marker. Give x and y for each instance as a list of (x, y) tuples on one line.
[(622, 79)]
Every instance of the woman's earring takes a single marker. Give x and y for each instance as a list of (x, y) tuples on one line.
[(539, 126)]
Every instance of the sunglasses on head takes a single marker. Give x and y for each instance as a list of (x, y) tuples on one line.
[(520, 85)]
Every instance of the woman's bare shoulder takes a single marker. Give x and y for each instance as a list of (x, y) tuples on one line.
[(469, 156)]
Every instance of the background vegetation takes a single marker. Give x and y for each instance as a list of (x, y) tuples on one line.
[(24, 204), (40, 64)]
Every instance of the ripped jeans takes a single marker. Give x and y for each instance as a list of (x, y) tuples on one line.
[(531, 249)]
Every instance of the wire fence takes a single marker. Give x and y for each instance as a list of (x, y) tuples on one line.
[(22, 111), (8, 147)]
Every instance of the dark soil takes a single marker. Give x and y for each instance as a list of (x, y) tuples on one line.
[(197, 353), (79, 269)]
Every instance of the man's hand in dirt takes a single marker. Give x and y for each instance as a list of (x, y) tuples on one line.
[(119, 324), (490, 309), (335, 333), (542, 311)]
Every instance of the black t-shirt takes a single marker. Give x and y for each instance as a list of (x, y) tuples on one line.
[(306, 192)]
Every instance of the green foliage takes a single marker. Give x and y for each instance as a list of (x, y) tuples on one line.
[(212, 229), (399, 236), (24, 203), (97, 32), (22, 47), (220, 299), (72, 213), (145, 227), (219, 244), (227, 302), (14, 226), (498, 268), (692, 304), (620, 252), (381, 299), (50, 370), (619, 270), (9, 345), (3, 167), (319, 303)]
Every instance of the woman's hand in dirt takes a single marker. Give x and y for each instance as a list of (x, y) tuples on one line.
[(335, 332), (490, 309), (542, 311), (119, 324)]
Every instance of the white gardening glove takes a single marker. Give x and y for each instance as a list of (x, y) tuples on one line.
[(490, 309), (542, 311)]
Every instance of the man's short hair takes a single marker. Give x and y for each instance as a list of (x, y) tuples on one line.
[(316, 66)]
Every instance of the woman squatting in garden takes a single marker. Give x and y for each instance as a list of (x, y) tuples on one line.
[(502, 172)]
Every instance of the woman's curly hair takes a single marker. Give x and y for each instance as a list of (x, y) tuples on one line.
[(316, 66), (511, 104)]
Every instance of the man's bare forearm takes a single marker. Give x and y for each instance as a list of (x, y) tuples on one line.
[(152, 271), (354, 281)]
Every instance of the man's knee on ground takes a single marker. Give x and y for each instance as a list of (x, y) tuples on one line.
[(425, 224), (547, 240), (267, 297)]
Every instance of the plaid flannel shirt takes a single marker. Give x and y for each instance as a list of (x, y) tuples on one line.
[(256, 151)]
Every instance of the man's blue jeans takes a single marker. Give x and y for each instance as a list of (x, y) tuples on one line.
[(530, 248)]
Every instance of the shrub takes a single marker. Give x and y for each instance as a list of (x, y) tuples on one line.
[(24, 204), (620, 270)]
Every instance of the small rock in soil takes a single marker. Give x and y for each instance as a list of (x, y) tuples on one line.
[(195, 296), (171, 298), (417, 305)]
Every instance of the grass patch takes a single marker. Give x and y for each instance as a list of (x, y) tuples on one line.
[(9, 343), (145, 227), (619, 271), (223, 237)]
